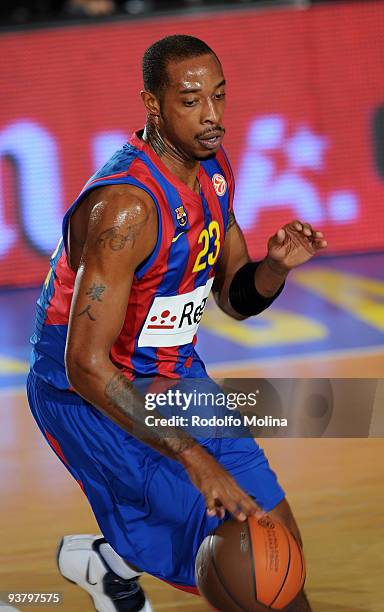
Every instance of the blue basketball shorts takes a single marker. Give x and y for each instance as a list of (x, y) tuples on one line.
[(145, 504)]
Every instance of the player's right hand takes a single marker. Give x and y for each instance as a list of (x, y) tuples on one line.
[(220, 490)]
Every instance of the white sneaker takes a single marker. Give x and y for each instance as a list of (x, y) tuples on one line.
[(79, 561)]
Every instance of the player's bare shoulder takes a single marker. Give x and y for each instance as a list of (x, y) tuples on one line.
[(113, 218)]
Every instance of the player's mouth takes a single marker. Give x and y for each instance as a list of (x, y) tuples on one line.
[(212, 140)]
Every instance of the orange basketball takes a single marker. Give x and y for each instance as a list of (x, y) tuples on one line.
[(255, 566)]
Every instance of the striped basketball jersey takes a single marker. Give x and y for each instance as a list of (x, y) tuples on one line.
[(169, 290)]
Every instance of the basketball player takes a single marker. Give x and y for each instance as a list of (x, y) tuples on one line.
[(142, 245)]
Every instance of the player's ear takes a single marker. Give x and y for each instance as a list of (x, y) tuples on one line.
[(151, 103)]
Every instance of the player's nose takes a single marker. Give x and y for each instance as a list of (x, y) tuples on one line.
[(209, 113)]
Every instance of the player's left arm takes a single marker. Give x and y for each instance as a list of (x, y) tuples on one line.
[(243, 288)]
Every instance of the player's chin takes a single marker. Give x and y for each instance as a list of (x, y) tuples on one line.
[(206, 150), (204, 157)]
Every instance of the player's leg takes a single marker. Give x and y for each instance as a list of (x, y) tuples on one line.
[(249, 466), (301, 604), (86, 560), (91, 563), (283, 513)]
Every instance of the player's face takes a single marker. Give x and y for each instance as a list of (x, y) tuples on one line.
[(192, 106)]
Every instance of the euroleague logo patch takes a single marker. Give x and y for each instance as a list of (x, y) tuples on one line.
[(219, 184)]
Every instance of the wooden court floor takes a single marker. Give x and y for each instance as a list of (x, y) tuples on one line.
[(335, 487)]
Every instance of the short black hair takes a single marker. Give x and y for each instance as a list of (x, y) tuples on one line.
[(171, 48)]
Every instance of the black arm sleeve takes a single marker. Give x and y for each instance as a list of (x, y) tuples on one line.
[(243, 295)]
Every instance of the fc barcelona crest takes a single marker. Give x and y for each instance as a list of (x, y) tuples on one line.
[(181, 215)]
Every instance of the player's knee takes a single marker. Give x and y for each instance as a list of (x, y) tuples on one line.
[(283, 513)]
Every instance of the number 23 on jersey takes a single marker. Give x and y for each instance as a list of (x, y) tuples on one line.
[(208, 255)]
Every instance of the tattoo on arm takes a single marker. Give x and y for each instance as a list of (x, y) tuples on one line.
[(231, 220), (115, 240), (87, 312), (123, 397), (95, 292), (120, 393)]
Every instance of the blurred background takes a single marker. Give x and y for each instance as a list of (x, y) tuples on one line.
[(305, 136), (37, 11)]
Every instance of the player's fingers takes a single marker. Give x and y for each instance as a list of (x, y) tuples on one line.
[(319, 243), (307, 229), (211, 503), (317, 234), (250, 507), (231, 504), (214, 505), (277, 239), (219, 512), (297, 225), (241, 505), (238, 514), (280, 235)]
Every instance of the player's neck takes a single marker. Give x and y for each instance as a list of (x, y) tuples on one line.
[(184, 168)]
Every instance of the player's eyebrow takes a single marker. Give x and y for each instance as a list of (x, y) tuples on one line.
[(196, 89)]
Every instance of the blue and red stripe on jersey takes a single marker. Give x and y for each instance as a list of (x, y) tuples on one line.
[(169, 272)]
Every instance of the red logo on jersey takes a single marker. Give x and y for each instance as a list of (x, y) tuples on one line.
[(191, 314), (219, 184), (162, 322)]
